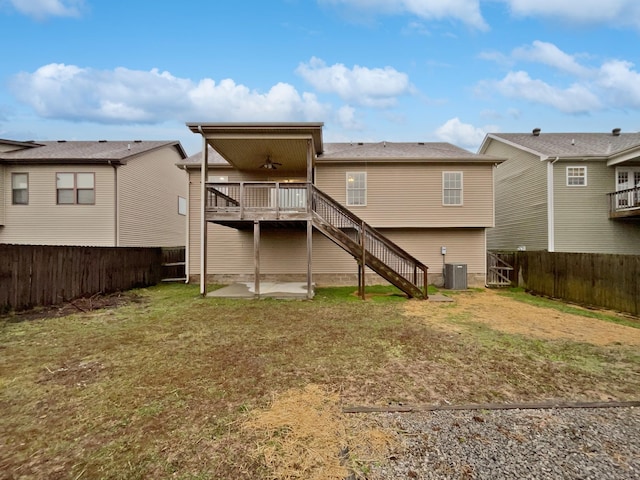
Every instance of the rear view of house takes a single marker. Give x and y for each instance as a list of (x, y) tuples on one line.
[(95, 193), (567, 192), (274, 201)]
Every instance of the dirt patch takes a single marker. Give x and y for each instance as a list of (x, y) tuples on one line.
[(78, 305), (73, 374), (510, 316)]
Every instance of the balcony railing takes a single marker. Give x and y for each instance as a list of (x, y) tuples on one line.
[(256, 200), (624, 203)]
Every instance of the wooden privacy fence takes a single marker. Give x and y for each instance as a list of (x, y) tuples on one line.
[(34, 275), (602, 280)]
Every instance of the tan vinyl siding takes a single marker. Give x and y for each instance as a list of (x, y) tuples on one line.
[(582, 221), (521, 200), (148, 187), (410, 195), (42, 222), (3, 197)]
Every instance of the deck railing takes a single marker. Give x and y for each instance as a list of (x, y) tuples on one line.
[(624, 201), (243, 197)]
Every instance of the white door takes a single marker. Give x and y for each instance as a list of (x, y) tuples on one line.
[(627, 178)]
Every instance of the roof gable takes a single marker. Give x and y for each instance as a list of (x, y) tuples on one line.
[(102, 151), (568, 145)]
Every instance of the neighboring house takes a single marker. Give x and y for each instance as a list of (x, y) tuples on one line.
[(566, 192), (96, 193), (283, 205)]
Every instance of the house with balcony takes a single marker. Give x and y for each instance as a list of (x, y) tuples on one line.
[(566, 192), (92, 193), (273, 201)]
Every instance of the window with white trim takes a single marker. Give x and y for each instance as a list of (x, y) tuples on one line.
[(20, 188), (452, 188), (182, 206), (576, 176), (75, 189), (356, 189)]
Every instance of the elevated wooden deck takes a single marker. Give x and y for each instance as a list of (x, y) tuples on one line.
[(625, 204), (293, 205)]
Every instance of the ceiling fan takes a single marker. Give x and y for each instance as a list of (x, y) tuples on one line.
[(270, 164)]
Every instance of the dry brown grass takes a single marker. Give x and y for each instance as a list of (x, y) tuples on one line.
[(159, 388), (305, 435)]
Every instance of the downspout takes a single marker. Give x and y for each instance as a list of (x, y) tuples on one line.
[(116, 206), (551, 234)]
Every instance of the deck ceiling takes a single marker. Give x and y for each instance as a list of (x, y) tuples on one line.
[(247, 146)]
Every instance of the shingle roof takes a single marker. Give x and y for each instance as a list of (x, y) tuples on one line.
[(101, 151), (572, 144), (397, 151), (214, 158), (356, 152)]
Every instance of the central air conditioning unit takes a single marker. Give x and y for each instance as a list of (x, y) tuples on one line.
[(455, 276)]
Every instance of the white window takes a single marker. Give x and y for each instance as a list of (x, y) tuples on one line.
[(576, 176), (20, 188), (75, 188), (182, 206), (452, 188), (356, 188)]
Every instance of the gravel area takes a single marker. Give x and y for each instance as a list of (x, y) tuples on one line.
[(593, 443)]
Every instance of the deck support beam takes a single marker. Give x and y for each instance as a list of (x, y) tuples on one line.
[(204, 172), (309, 219), (309, 259), (256, 258)]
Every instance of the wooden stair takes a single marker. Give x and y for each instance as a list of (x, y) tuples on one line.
[(368, 246)]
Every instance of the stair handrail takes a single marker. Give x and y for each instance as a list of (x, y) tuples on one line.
[(370, 234)]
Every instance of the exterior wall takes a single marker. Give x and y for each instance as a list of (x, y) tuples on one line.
[(410, 195), (42, 222), (283, 253), (148, 190), (581, 214), (521, 200), (2, 197)]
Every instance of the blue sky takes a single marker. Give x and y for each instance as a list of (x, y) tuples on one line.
[(371, 70)]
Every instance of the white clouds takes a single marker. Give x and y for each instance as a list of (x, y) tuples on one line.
[(549, 54), (612, 85), (133, 96), (41, 9), (573, 99), (462, 134), (613, 12), (621, 83), (370, 87), (609, 12), (465, 11)]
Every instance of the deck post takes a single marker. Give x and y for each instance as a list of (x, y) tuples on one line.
[(362, 263), (309, 258), (309, 194), (256, 257), (204, 171)]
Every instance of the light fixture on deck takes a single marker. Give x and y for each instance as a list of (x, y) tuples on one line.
[(270, 164)]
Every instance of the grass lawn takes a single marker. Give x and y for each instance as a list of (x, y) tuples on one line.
[(161, 387)]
